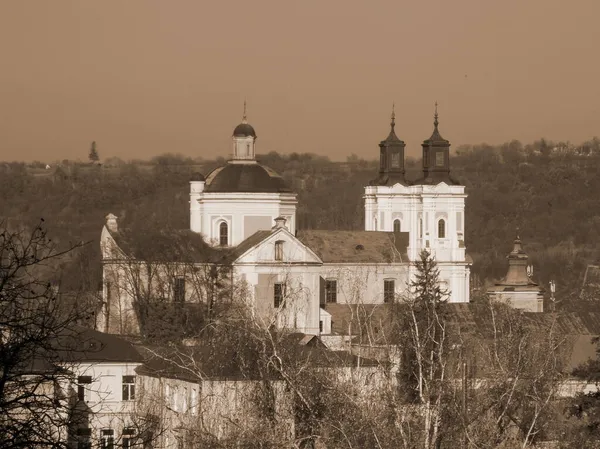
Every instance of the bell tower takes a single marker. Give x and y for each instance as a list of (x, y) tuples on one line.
[(391, 158)]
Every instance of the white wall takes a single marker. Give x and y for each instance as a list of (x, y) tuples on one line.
[(208, 210)]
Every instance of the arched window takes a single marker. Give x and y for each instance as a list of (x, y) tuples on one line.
[(248, 149), (223, 234), (397, 225), (441, 229), (420, 228)]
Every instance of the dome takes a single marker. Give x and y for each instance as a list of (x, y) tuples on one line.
[(245, 178), (244, 130)]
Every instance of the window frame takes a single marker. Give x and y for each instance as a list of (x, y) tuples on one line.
[(223, 236), (179, 289), (389, 295), (129, 438), (399, 222), (107, 439), (441, 226), (81, 389), (278, 295), (128, 388), (331, 293), (279, 250)]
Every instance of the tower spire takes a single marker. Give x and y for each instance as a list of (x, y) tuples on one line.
[(244, 118), (435, 116), (393, 123)]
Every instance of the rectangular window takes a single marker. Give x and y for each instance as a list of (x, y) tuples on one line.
[(179, 289), (128, 388), (107, 439), (194, 401), (395, 160), (321, 326), (83, 391), (330, 290), (439, 159), (128, 438), (389, 290), (279, 250), (278, 294)]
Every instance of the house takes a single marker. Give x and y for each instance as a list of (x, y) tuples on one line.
[(102, 390), (206, 397)]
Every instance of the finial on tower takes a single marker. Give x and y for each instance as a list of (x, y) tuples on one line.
[(393, 124), (244, 118), (435, 116)]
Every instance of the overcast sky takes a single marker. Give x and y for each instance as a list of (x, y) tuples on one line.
[(145, 77)]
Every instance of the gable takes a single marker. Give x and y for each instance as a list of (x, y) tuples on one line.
[(263, 250)]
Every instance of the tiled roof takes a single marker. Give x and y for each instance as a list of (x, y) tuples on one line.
[(249, 243), (80, 344), (203, 361), (171, 245), (357, 246)]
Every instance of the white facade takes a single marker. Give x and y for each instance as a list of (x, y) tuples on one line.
[(433, 215), (243, 213)]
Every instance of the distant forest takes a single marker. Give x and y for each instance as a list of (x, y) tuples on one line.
[(549, 190)]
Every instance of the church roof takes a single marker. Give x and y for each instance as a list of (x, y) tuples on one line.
[(357, 246), (252, 177)]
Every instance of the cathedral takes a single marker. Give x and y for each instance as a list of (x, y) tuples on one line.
[(305, 279)]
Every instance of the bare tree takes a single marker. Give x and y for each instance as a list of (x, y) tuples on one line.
[(35, 407)]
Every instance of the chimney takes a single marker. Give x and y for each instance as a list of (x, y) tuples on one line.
[(111, 223), (279, 223)]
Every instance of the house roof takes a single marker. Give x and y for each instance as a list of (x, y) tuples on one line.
[(357, 246), (78, 344), (205, 361)]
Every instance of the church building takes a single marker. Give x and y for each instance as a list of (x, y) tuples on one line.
[(303, 280), (431, 209)]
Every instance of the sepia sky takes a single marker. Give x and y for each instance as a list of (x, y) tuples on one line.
[(145, 77)]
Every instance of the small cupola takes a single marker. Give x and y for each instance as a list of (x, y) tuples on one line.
[(517, 265), (244, 138)]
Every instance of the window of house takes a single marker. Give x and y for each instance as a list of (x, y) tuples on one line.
[(179, 289), (128, 388), (420, 228), (278, 294), (395, 160), (321, 326), (194, 401), (330, 290), (442, 229), (107, 439), (84, 436), (279, 250), (128, 438), (397, 225), (184, 402), (83, 391), (223, 234), (389, 290)]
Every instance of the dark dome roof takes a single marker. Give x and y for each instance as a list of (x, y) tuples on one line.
[(244, 130), (245, 178)]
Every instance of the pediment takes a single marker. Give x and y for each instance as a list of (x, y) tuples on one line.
[(294, 251)]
